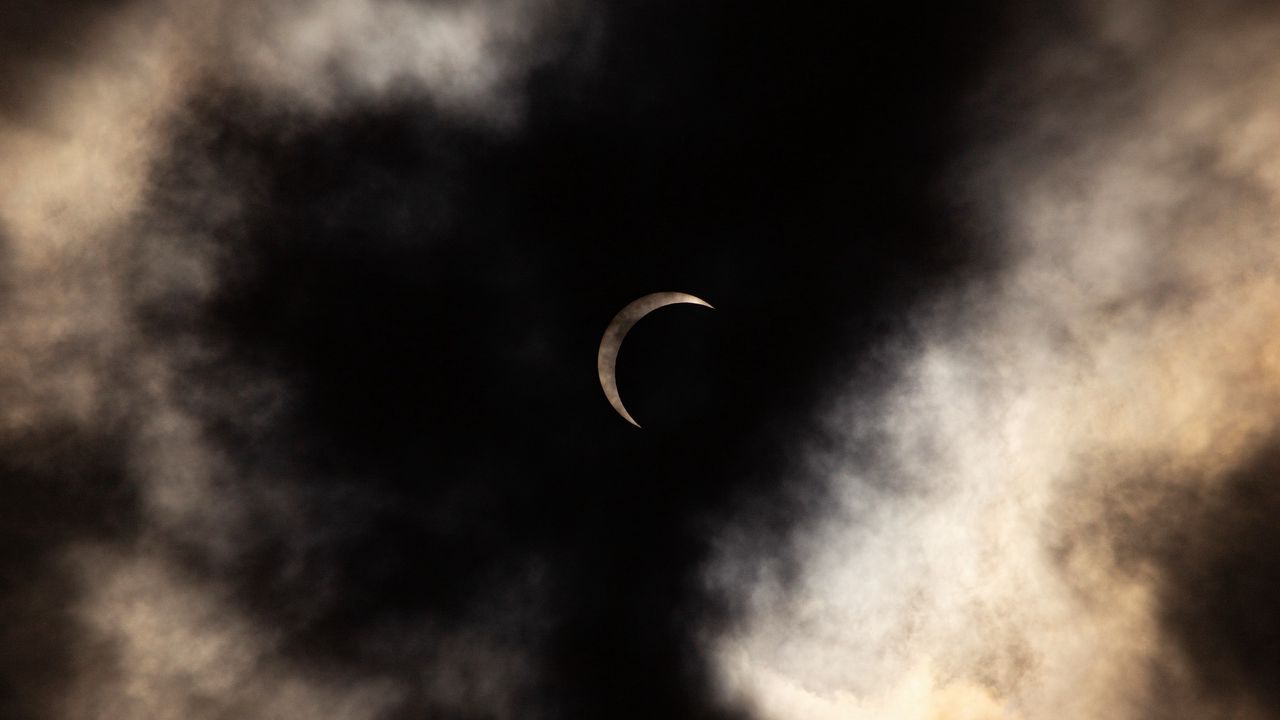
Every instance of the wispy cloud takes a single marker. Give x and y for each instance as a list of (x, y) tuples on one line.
[(1003, 552), (87, 241)]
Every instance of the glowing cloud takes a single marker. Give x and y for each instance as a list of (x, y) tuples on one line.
[(1002, 553)]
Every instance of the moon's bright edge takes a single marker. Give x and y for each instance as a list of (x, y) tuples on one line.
[(616, 332)]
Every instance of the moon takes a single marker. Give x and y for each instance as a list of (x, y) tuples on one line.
[(611, 343)]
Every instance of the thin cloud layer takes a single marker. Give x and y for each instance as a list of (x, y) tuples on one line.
[(92, 238), (1017, 546), (320, 54)]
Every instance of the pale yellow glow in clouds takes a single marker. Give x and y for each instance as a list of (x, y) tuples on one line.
[(1049, 418)]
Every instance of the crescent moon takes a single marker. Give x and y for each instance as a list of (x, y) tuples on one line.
[(607, 358)]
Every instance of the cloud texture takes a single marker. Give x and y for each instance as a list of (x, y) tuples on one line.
[(107, 238), (292, 297), (1034, 521)]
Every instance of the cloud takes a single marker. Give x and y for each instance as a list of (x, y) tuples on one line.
[(157, 641), (99, 246), (162, 646), (318, 54), (999, 555)]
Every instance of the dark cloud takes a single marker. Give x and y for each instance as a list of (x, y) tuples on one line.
[(1220, 579), (62, 486), (39, 38)]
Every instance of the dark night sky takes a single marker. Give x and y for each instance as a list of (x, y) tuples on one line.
[(394, 363)]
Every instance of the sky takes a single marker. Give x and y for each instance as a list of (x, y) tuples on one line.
[(300, 303)]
